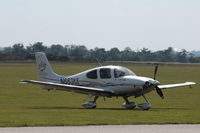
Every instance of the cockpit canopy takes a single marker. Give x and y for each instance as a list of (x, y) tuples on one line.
[(108, 72)]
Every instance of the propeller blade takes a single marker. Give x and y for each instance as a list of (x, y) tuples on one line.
[(155, 72), (159, 91)]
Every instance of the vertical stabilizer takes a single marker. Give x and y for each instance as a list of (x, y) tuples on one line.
[(45, 72)]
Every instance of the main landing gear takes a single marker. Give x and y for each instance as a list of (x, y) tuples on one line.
[(132, 105), (91, 104), (127, 104)]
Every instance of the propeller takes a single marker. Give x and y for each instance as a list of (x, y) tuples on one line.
[(158, 90), (155, 72)]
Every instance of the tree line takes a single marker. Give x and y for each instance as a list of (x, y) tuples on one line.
[(81, 53)]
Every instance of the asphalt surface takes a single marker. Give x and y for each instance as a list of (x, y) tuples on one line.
[(180, 128)]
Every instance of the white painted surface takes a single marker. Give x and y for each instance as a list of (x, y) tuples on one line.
[(181, 128)]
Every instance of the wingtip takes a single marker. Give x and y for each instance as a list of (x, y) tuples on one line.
[(23, 81), (192, 83)]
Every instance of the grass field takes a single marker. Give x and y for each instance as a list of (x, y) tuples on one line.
[(28, 105)]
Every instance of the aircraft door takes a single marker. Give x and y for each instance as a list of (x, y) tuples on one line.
[(105, 76)]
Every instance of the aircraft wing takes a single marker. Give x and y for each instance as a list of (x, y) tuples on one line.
[(176, 85), (72, 88)]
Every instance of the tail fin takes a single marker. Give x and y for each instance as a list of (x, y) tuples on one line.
[(45, 72)]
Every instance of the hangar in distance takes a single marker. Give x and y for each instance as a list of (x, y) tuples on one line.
[(105, 81)]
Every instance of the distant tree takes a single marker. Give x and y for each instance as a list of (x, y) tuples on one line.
[(145, 55), (98, 53), (36, 47), (18, 49), (193, 59), (56, 49), (127, 49), (78, 51), (114, 54), (169, 55), (7, 50), (182, 56), (128, 55)]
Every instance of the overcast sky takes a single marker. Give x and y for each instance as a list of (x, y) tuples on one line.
[(154, 24)]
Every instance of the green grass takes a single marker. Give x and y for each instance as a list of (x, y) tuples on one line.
[(28, 105)]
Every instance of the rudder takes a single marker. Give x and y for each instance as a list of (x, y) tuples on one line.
[(45, 72)]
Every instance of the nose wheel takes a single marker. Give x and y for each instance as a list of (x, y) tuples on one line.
[(145, 106)]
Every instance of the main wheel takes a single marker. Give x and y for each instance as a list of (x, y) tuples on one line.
[(89, 105), (144, 106), (130, 105)]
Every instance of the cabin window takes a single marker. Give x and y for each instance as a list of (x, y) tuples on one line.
[(119, 73), (92, 74), (105, 73)]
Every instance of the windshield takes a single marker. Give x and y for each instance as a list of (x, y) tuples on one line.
[(129, 72), (122, 71)]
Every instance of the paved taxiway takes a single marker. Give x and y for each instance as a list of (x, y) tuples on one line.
[(181, 128)]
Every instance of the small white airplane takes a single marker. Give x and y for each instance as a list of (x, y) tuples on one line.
[(106, 81)]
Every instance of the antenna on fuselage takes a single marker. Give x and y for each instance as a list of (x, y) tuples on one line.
[(98, 61)]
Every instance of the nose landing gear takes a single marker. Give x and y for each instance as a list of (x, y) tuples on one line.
[(145, 106)]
